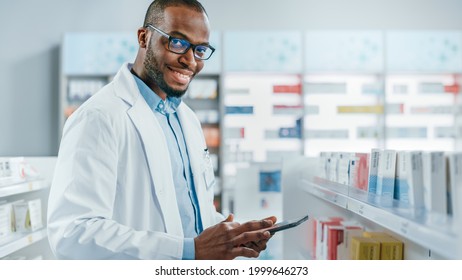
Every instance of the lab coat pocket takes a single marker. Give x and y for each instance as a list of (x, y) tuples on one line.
[(209, 176)]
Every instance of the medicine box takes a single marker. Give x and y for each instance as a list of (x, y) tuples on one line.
[(390, 247), (386, 173), (373, 170), (364, 248), (434, 182), (409, 178)]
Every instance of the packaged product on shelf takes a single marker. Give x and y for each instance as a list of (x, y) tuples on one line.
[(4, 168), (16, 170), (373, 170), (364, 248), (81, 89), (455, 185), (35, 212), (21, 216), (343, 170), (289, 132), (386, 174), (283, 109), (6, 220), (409, 178), (390, 247), (234, 133), (333, 164), (5, 172), (434, 182), (203, 89), (208, 116), (212, 136), (320, 237), (28, 215), (339, 239), (401, 183), (344, 247), (334, 238), (323, 165), (359, 170), (239, 110)]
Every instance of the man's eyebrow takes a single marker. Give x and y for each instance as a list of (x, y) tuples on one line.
[(180, 35)]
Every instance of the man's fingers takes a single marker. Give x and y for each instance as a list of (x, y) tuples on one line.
[(230, 239), (272, 218), (244, 252), (252, 236), (253, 226), (257, 245)]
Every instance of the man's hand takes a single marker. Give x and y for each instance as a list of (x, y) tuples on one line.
[(228, 240)]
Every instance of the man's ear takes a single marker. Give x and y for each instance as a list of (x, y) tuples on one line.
[(143, 37)]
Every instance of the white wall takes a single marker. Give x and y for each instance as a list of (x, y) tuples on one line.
[(335, 14), (31, 31)]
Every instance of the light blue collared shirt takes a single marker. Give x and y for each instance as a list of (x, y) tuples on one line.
[(165, 112)]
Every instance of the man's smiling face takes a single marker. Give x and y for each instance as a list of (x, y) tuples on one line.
[(171, 73)]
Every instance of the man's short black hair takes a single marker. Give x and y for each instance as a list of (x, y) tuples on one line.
[(155, 12)]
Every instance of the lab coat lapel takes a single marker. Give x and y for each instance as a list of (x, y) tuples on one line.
[(155, 148)]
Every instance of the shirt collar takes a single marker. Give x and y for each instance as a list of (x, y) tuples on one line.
[(156, 103)]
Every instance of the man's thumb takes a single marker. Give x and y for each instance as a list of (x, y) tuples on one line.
[(230, 218)]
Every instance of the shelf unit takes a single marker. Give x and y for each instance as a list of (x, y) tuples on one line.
[(343, 112), (30, 245), (88, 62), (23, 187), (204, 98), (426, 235), (436, 232), (17, 242), (262, 122)]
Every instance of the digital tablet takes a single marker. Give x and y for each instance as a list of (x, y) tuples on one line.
[(287, 224)]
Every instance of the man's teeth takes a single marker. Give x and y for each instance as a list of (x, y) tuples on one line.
[(182, 75)]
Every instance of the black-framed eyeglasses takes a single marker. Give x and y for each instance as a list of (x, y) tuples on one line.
[(181, 46)]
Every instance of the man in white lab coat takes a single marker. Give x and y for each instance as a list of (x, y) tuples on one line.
[(133, 178)]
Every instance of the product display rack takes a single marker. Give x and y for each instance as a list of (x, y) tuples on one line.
[(88, 84), (427, 114), (88, 61), (29, 245), (343, 112), (262, 123), (22, 187), (17, 241), (430, 230), (425, 235)]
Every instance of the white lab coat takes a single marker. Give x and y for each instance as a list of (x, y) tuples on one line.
[(112, 195)]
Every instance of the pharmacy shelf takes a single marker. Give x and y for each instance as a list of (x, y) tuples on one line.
[(433, 231), (24, 187), (338, 196), (16, 242)]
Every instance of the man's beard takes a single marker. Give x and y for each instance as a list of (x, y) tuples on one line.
[(155, 75)]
